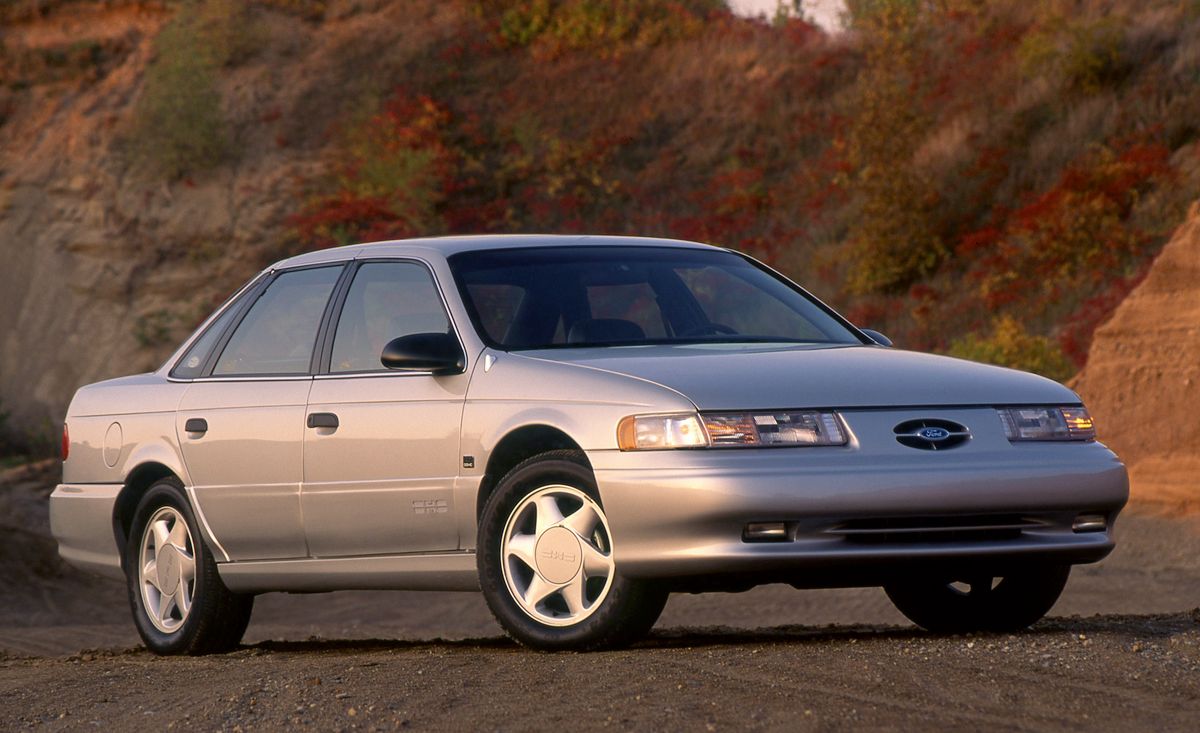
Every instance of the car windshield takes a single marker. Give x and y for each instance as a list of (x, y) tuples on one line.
[(570, 297)]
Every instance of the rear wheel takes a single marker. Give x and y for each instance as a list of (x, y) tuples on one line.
[(546, 563), (981, 602), (180, 605)]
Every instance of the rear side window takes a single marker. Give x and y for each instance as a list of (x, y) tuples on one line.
[(277, 335), (387, 300)]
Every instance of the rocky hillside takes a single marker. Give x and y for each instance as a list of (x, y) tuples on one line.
[(108, 263), (984, 178), (1142, 381)]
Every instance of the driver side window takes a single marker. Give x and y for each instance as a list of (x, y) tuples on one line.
[(387, 300)]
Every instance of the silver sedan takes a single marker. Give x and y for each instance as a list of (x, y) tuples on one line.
[(576, 426)]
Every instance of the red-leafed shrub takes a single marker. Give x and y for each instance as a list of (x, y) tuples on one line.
[(991, 177), (392, 173), (1070, 239)]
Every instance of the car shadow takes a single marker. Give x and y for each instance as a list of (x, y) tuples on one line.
[(1142, 626)]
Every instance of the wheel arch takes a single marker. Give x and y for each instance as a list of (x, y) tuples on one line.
[(516, 446), (137, 483)]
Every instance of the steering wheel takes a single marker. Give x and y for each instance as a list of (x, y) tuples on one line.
[(708, 329)]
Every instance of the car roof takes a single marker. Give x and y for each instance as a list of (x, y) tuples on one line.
[(446, 246)]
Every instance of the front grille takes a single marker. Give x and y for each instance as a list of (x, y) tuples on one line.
[(900, 530)]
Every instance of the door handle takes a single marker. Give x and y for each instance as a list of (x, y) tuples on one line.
[(322, 420), (196, 425)]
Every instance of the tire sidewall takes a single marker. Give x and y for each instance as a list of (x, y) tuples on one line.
[(1024, 595), (161, 494), (513, 489)]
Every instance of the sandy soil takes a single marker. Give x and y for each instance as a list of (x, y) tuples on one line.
[(1121, 650), (1142, 379)]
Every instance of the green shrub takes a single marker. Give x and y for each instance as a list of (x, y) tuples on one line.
[(154, 329), (393, 171), (1010, 345), (179, 128), (1089, 54), (606, 25), (521, 23), (894, 241)]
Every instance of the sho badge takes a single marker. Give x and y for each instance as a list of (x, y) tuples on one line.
[(430, 506)]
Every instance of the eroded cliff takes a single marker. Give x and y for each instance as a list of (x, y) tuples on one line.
[(1142, 380)]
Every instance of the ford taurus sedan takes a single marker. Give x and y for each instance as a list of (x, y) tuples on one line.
[(577, 427)]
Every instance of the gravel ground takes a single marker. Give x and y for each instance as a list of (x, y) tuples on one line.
[(1120, 651), (1100, 673)]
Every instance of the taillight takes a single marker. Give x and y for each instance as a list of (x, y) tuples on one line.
[(66, 444)]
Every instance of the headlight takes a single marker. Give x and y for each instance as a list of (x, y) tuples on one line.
[(659, 432), (1047, 423), (730, 429), (774, 428)]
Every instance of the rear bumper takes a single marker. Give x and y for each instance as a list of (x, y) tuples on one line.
[(81, 519), (853, 519)]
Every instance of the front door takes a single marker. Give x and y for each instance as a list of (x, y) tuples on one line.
[(381, 452), (241, 426)]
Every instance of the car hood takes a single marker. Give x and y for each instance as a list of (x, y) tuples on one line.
[(740, 377)]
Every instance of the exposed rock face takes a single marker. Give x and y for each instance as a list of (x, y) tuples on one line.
[(96, 280), (1142, 380), (105, 268)]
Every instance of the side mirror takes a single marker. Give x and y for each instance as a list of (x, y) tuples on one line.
[(424, 352), (877, 337)]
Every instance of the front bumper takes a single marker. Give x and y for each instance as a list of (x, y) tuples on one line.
[(81, 519), (855, 518)]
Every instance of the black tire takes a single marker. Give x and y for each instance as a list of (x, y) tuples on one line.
[(217, 618), (1018, 600), (624, 615)]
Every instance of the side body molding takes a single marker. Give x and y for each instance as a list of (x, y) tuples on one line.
[(430, 571)]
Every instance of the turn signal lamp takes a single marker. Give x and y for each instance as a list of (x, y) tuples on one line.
[(660, 432), (1047, 423)]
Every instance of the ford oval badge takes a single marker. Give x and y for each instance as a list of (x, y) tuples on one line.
[(934, 435)]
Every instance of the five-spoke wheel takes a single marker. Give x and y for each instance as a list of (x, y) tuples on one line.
[(167, 569), (557, 555), (180, 605), (546, 562)]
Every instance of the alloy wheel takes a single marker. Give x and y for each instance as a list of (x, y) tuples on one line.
[(556, 554), (167, 570)]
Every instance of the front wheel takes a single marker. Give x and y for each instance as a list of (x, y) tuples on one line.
[(546, 566), (180, 605), (982, 602)]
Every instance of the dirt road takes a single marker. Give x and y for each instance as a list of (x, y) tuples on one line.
[(1121, 651), (1108, 673)]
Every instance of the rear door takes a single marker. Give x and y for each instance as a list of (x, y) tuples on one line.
[(241, 423), (381, 457)]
